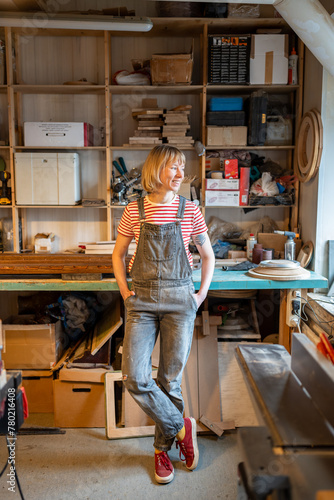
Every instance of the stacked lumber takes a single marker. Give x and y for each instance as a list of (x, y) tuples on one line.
[(157, 125), (150, 121), (20, 264), (176, 126)]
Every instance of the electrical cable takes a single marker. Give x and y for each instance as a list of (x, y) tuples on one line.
[(320, 321)]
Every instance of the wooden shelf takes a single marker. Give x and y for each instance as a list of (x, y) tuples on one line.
[(59, 89), (270, 89), (173, 26), (146, 148), (59, 206), (251, 206), (50, 57), (32, 32), (156, 89), (214, 148), (59, 148)]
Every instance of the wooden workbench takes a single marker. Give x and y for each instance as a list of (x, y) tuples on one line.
[(222, 280)]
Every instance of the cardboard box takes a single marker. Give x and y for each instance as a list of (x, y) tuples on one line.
[(31, 346), (244, 185), (277, 242), (231, 169), (171, 69), (47, 178), (79, 395), (45, 244), (221, 198), (79, 404), (73, 134), (226, 136), (213, 164), (269, 59), (222, 184), (38, 385)]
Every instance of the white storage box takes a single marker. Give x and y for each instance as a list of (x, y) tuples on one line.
[(269, 60), (74, 134), (221, 198), (47, 178), (45, 244), (222, 184)]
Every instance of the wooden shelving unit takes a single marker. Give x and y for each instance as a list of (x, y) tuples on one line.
[(35, 91)]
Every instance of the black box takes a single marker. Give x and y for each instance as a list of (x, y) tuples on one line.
[(226, 118)]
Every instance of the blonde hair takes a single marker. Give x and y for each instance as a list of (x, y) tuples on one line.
[(158, 158)]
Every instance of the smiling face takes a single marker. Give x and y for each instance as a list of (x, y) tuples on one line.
[(172, 176)]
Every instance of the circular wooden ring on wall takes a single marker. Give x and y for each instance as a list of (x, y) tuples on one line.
[(306, 138), (318, 116), (310, 130)]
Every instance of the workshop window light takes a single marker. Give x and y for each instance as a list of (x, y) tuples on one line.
[(50, 20)]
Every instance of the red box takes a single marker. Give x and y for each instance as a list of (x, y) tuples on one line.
[(231, 169), (244, 186)]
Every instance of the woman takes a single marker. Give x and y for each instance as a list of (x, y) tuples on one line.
[(162, 299)]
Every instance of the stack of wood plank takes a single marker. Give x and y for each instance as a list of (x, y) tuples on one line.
[(157, 125), (150, 121), (176, 126)]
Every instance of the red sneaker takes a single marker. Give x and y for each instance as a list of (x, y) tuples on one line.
[(164, 470), (188, 446)]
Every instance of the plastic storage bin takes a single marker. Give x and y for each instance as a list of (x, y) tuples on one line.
[(225, 104)]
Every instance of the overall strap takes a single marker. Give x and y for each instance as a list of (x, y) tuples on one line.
[(141, 210), (182, 206)]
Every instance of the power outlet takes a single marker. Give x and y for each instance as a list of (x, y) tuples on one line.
[(293, 307)]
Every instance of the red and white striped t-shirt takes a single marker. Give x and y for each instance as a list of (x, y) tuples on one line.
[(193, 222)]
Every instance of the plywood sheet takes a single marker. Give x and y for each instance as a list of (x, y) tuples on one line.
[(235, 398)]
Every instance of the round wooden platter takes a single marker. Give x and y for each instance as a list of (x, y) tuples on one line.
[(278, 277), (310, 132), (305, 254), (277, 271)]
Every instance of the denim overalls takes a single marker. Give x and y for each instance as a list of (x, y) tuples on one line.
[(163, 301)]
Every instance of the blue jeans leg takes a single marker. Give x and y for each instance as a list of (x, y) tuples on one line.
[(173, 313)]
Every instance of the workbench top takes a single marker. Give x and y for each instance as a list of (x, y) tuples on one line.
[(222, 280)]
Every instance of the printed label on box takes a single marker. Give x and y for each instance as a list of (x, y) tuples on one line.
[(222, 198), (222, 184)]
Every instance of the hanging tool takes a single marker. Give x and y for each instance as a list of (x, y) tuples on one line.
[(124, 187), (121, 168), (5, 190)]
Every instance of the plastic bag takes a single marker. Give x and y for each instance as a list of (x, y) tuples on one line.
[(78, 311), (264, 186), (221, 249), (221, 230), (124, 77)]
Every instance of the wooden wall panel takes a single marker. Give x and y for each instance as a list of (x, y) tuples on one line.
[(65, 108), (60, 59), (70, 225)]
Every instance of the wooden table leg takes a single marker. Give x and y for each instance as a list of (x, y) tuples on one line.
[(284, 332)]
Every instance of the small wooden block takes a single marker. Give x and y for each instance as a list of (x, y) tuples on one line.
[(206, 322), (217, 427), (149, 103)]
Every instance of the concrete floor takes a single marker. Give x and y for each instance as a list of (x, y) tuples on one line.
[(82, 464)]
